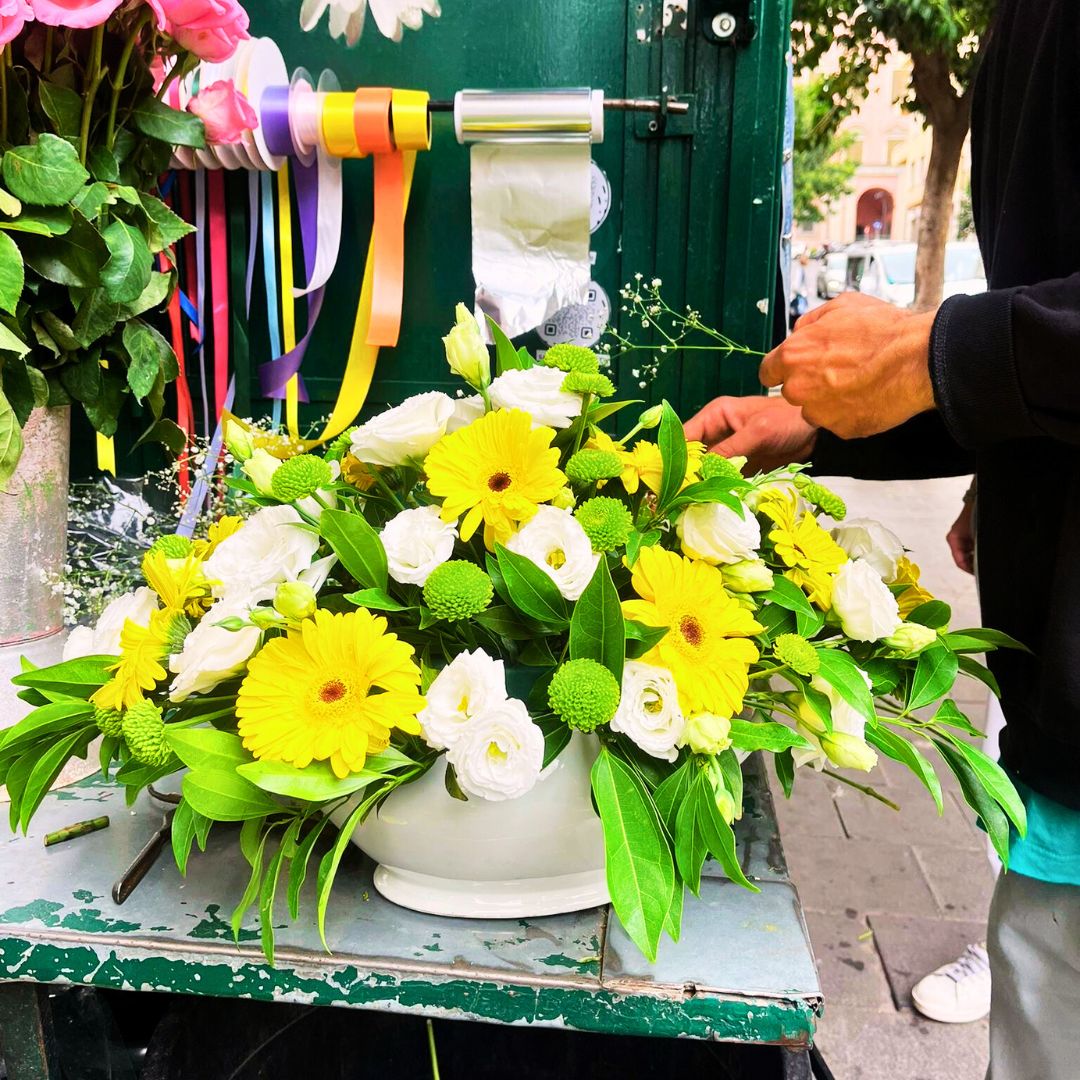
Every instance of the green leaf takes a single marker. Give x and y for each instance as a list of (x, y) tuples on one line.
[(556, 737), (975, 795), (299, 866), (949, 714), (507, 358), (11, 441), (268, 892), (640, 870), (638, 541), (41, 221), (844, 676), (765, 735), (980, 639), (252, 890), (77, 678), (504, 622), (207, 748), (995, 782), (690, 847), (357, 545), (222, 795), (718, 835), (183, 835), (24, 386), (15, 779), (9, 205), (641, 638), (377, 600), (91, 199), (48, 173), (62, 106), (673, 452), (597, 628), (12, 273), (531, 591), (47, 768), (11, 342), (48, 719), (899, 749), (74, 260), (935, 673), (166, 432), (150, 355), (96, 316), (670, 794), (885, 675), (152, 297), (733, 777), (155, 119), (166, 228), (973, 669), (315, 783), (450, 783), (716, 490), (103, 164), (788, 595), (785, 771), (934, 613), (127, 273), (82, 378)]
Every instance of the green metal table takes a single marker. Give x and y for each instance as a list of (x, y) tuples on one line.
[(743, 970)]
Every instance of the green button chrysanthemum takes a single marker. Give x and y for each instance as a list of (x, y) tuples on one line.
[(795, 651), (584, 694), (340, 446), (567, 357), (109, 722), (588, 466), (172, 547), (300, 477), (580, 382), (144, 732), (607, 522), (457, 590), (714, 467), (818, 495)]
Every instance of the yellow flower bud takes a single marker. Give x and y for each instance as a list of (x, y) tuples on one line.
[(295, 600), (848, 751), (650, 418), (706, 733), (809, 719), (266, 619), (564, 499), (260, 469), (750, 575), (238, 440), (910, 638), (466, 352), (725, 804)]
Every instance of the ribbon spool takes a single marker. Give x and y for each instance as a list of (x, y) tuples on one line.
[(529, 116)]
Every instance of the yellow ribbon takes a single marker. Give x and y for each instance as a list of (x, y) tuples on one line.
[(339, 125), (288, 302), (106, 453)]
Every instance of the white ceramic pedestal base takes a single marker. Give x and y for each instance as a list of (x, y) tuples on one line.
[(542, 854)]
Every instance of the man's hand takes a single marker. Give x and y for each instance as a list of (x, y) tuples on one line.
[(857, 366), (768, 431), (961, 539)]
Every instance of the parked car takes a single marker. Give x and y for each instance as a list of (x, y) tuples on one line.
[(888, 270), (832, 274)]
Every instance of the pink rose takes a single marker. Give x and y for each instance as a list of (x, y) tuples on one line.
[(211, 29), (76, 14), (226, 113), (13, 16)]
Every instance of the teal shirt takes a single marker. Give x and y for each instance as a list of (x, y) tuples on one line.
[(1051, 850)]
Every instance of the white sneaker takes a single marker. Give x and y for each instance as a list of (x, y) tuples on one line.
[(956, 993)]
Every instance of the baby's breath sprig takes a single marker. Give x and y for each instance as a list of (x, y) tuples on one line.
[(671, 331)]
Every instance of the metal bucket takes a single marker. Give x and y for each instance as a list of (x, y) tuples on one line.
[(33, 531)]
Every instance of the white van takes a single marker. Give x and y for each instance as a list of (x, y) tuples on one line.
[(887, 270)]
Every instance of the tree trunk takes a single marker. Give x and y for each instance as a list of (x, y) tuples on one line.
[(947, 115)]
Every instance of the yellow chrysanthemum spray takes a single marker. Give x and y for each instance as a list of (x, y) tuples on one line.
[(801, 544)]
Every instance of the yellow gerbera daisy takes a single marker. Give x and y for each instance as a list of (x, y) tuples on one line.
[(803, 545), (706, 646), (908, 573), (180, 583), (140, 668), (330, 691), (497, 470), (220, 530)]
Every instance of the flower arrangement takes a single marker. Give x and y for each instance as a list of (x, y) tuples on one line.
[(85, 241), (362, 621)]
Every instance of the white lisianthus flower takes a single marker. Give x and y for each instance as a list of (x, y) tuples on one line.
[(466, 410), (266, 550), (537, 391), (212, 654), (706, 733), (404, 434), (715, 533), (471, 684), (863, 538), (260, 468), (466, 352), (103, 639), (417, 541), (554, 540), (500, 753), (649, 713), (845, 745), (867, 610)]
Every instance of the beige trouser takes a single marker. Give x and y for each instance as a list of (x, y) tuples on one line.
[(1034, 946)]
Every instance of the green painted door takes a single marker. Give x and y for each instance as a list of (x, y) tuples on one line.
[(694, 201)]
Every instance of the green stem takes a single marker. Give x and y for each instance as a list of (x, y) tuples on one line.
[(385, 488), (46, 64), (768, 671), (72, 832), (864, 788), (586, 401), (121, 74), (433, 1052), (94, 75)]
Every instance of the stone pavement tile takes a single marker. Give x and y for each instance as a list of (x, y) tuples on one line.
[(810, 811), (912, 947), (917, 822), (962, 881), (863, 875), (861, 1044), (850, 968)]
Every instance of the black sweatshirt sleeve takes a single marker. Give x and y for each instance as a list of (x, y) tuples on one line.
[(1006, 364)]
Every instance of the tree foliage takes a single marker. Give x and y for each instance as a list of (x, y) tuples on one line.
[(821, 172)]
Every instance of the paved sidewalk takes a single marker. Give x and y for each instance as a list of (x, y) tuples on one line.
[(889, 897)]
